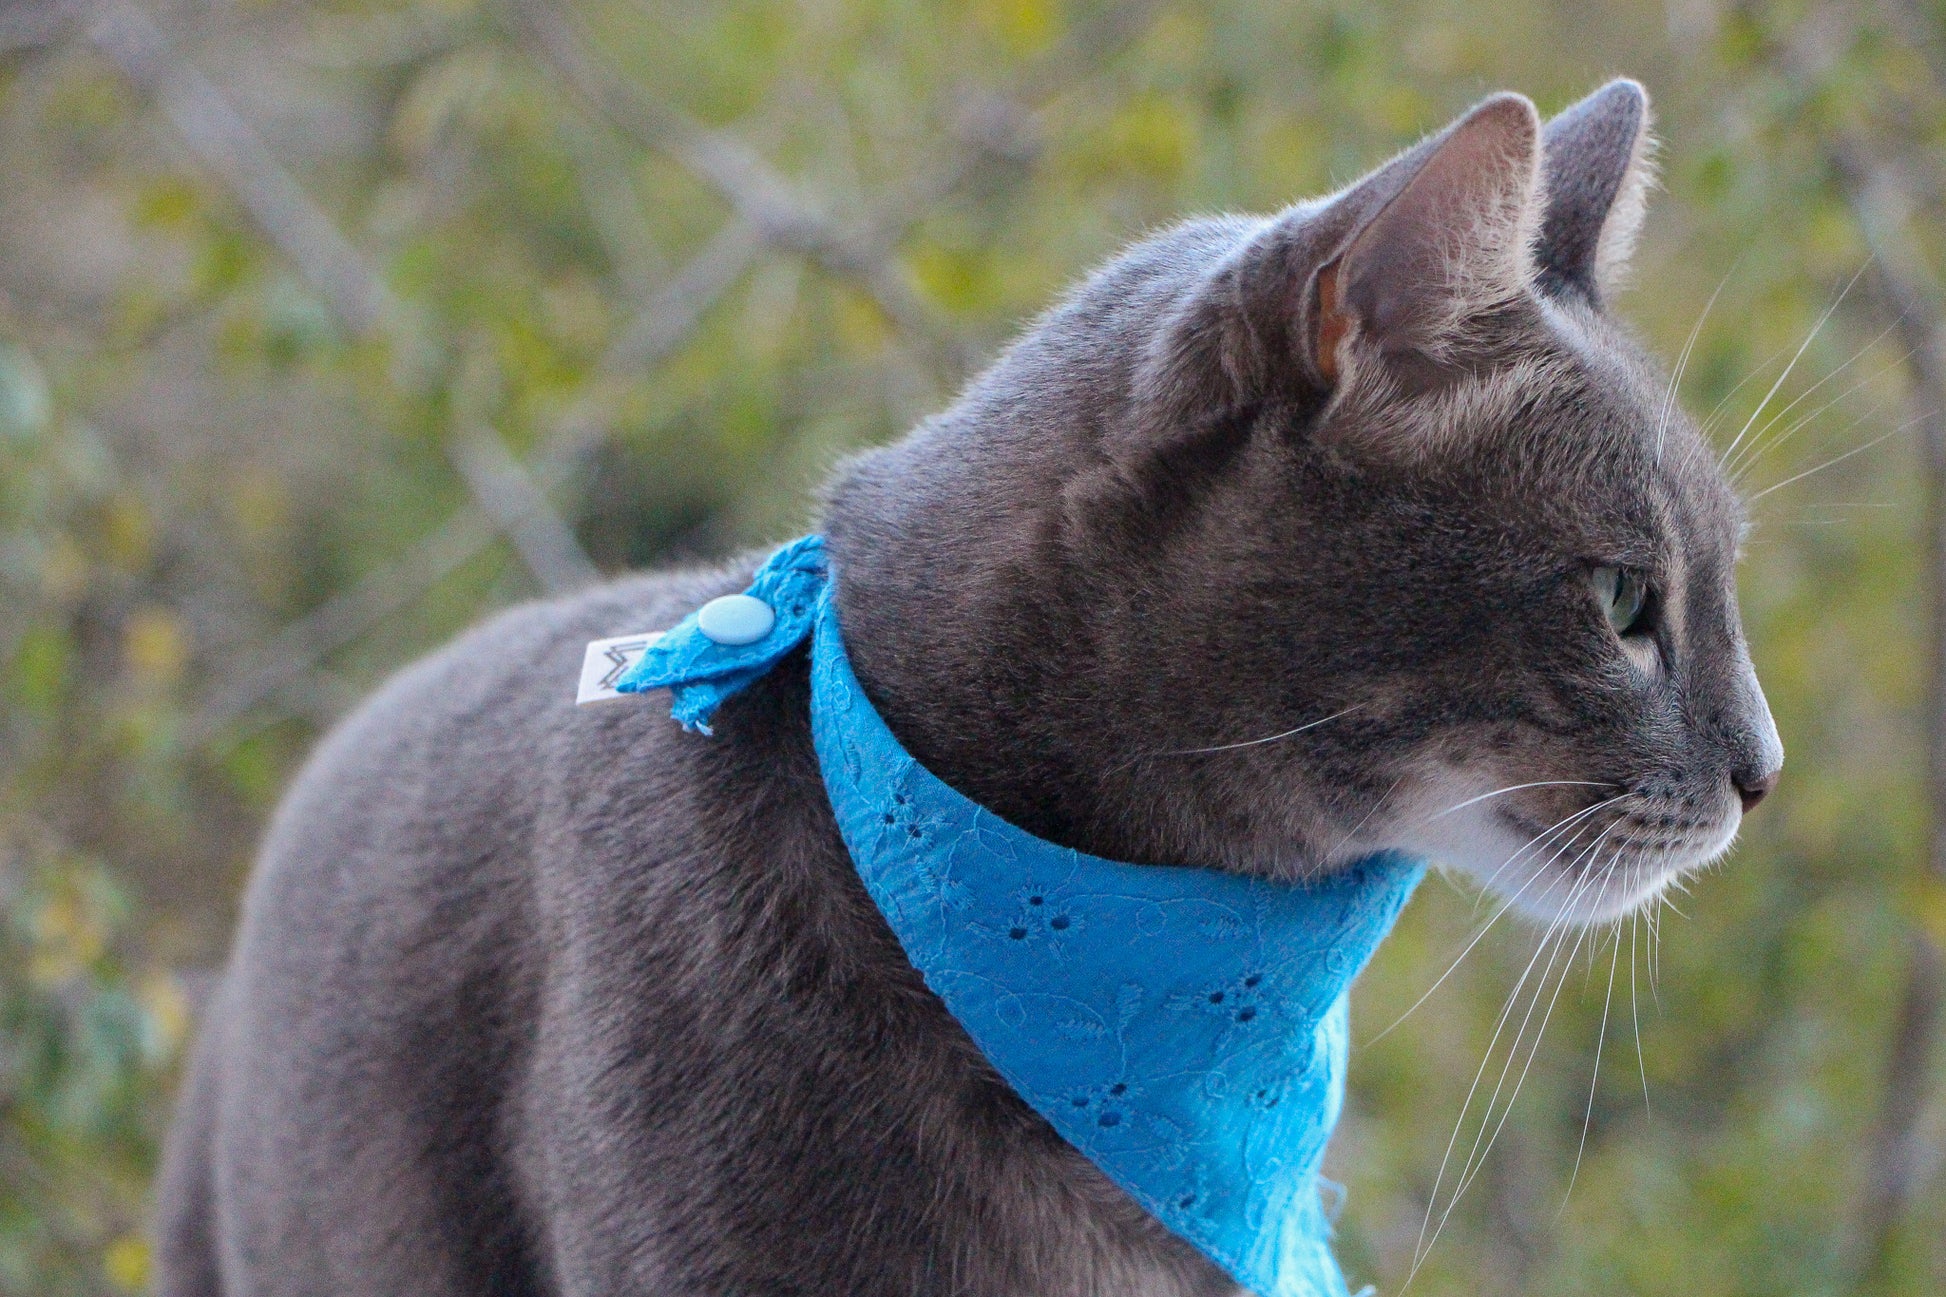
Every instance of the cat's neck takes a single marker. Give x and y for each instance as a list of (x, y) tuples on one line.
[(961, 658), (1018, 672)]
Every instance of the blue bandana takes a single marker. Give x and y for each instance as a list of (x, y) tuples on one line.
[(1186, 1029)]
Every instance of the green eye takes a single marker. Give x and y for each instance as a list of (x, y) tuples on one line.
[(1624, 597)]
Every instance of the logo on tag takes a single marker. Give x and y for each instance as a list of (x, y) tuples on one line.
[(607, 661)]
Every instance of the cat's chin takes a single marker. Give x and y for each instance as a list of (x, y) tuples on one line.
[(1587, 879)]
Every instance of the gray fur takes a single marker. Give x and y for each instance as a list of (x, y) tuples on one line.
[(531, 999)]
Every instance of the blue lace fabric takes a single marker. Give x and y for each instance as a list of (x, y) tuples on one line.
[(1185, 1029)]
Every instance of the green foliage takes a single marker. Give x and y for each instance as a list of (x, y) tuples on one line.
[(86, 1047), (198, 451)]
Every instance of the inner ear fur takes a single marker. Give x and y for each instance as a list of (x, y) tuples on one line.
[(1386, 271), (1452, 243)]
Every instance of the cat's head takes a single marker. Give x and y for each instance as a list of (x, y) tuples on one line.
[(1362, 526)]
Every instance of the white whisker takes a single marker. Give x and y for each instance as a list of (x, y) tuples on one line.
[(1472, 1170), (1363, 820), (1549, 942), (1601, 1039), (1423, 1247), (1514, 788), (1682, 360), (1555, 928), (1268, 738), (1634, 1013), (1804, 346), (1655, 952), (1717, 411), (1758, 448), (1839, 459), (1533, 1052), (1486, 928), (1737, 478), (1505, 905), (1754, 453), (1541, 838)]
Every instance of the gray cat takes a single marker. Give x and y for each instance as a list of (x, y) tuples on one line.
[(531, 999)]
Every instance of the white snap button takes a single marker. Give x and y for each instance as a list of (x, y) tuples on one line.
[(735, 620)]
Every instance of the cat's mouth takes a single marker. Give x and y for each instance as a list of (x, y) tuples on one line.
[(1609, 865), (1577, 859)]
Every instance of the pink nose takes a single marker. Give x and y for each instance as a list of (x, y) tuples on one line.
[(1752, 789)]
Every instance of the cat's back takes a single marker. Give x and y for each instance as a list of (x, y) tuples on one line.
[(379, 1012), (428, 798)]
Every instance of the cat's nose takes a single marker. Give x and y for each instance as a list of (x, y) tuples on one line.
[(1752, 787), (1757, 757)]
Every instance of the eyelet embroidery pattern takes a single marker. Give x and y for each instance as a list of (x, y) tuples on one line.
[(1186, 1030)]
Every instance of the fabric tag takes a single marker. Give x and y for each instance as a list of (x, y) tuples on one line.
[(607, 661)]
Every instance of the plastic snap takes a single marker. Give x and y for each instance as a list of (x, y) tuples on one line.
[(735, 620)]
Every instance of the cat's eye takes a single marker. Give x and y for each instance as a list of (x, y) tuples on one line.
[(1624, 596)]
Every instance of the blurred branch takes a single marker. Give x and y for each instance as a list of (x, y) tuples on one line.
[(355, 291), (614, 206), (1906, 290), (1918, 29), (765, 200), (295, 650), (998, 123), (678, 307), (1004, 123), (519, 509), (380, 40), (989, 124), (1082, 47), (227, 146), (299, 647), (31, 24)]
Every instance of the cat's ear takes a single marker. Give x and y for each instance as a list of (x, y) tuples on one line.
[(1598, 157), (1453, 239), (1383, 275)]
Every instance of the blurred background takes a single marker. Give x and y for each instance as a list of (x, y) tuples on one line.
[(326, 328)]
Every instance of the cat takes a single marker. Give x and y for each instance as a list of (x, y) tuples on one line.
[(1275, 543)]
